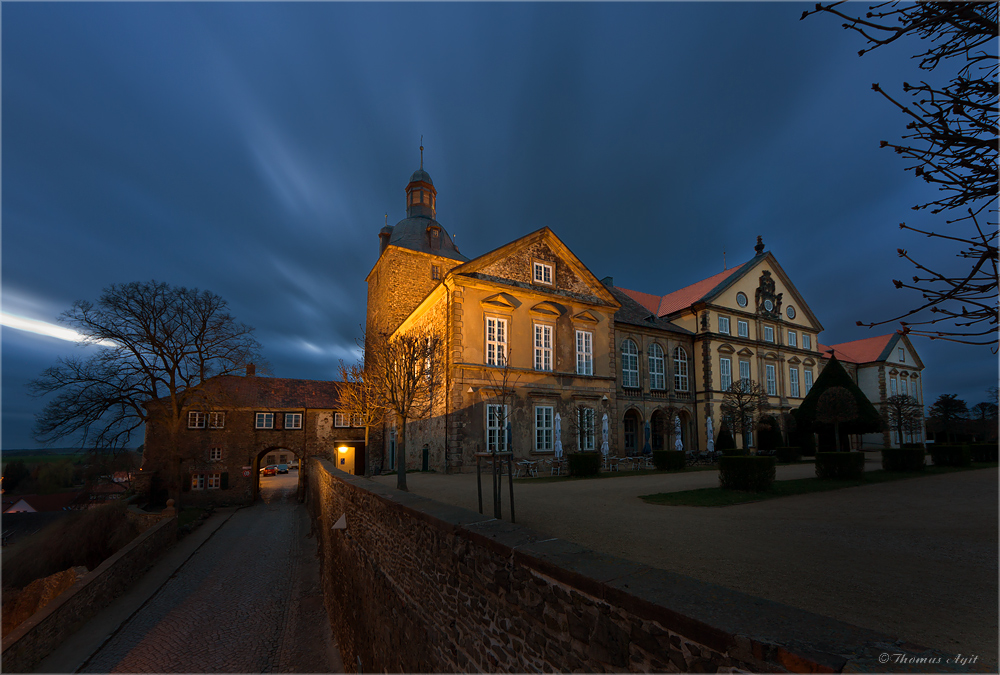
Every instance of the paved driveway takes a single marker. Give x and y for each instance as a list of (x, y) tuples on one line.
[(915, 558), (247, 601)]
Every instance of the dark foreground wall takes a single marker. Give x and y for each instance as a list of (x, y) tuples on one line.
[(413, 585)]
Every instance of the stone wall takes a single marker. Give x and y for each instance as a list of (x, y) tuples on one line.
[(413, 585), (34, 639)]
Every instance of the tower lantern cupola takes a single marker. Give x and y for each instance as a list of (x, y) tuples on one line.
[(421, 197)]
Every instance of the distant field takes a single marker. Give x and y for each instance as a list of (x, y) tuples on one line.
[(38, 459)]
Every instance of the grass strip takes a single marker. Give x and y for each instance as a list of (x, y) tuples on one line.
[(542, 478), (799, 486)]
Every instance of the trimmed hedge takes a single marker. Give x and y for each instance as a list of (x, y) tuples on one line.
[(984, 452), (584, 463), (840, 465), (788, 454), (755, 474), (903, 459), (951, 455), (736, 452), (668, 460)]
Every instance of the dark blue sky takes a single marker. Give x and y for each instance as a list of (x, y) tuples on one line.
[(253, 150)]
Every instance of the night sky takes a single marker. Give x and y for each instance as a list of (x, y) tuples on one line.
[(254, 149)]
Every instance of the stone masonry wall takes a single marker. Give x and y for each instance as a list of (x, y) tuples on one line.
[(34, 639), (413, 585)]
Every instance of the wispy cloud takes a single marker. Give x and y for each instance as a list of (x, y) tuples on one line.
[(45, 328)]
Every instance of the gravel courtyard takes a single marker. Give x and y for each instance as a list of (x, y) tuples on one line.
[(913, 558)]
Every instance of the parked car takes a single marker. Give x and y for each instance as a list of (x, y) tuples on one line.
[(282, 468), (269, 470)]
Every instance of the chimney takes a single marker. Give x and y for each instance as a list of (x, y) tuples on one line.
[(608, 281), (251, 370)]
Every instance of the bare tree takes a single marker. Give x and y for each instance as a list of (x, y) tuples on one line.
[(155, 347), (502, 383), (902, 413), (362, 400), (836, 406), (985, 414), (743, 403), (951, 144), (405, 372), (947, 412)]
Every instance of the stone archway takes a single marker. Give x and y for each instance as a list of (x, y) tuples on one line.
[(660, 423), (277, 453), (632, 432)]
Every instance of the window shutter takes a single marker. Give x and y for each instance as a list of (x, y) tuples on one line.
[(225, 481)]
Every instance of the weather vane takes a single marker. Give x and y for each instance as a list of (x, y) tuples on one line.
[(421, 152)]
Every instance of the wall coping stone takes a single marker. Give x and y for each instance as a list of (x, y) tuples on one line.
[(753, 628)]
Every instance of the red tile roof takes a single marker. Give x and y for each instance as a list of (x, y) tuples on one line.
[(685, 297), (647, 300), (235, 391), (859, 351)]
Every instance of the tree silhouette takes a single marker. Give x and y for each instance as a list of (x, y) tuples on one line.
[(952, 144), (902, 414), (742, 404), (835, 406), (946, 412)]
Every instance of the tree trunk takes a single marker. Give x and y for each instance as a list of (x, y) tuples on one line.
[(401, 457), (836, 435), (368, 454)]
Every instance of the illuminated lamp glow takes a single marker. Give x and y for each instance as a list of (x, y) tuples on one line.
[(343, 449)]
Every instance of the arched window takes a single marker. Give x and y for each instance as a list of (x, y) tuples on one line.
[(680, 369), (630, 364), (657, 379)]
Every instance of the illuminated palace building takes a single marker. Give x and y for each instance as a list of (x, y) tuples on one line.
[(583, 348)]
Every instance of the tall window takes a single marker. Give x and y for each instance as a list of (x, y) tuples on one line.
[(724, 325), (196, 420), (265, 420), (216, 420), (631, 424), (630, 364), (745, 370), (293, 420), (215, 454), (657, 378), (725, 373), (808, 378), (806, 341), (902, 355), (585, 423), (768, 333), (197, 481), (214, 479), (892, 387), (584, 352), (680, 369), (543, 273), (435, 272), (902, 387), (496, 341), (771, 382), (742, 328), (496, 439), (792, 341), (543, 347), (793, 382), (543, 428)]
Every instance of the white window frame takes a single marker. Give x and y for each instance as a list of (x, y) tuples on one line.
[(893, 386), (771, 379), (586, 423), (544, 432), (293, 420), (792, 339), (725, 373), (543, 347), (496, 341), (215, 454), (768, 333), (807, 378), (793, 382), (657, 368), (356, 421), (214, 481), (724, 325), (902, 355), (584, 352), (681, 380), (745, 370), (196, 420), (339, 419), (630, 364), (542, 273), (807, 342), (216, 420), (742, 328), (197, 481), (264, 420), (903, 387), (496, 436)]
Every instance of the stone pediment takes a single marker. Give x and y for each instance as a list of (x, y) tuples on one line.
[(794, 361), (771, 356), (500, 301), (726, 348), (745, 352), (586, 317), (548, 309), (808, 362)]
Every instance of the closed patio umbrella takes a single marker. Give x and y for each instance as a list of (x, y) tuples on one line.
[(711, 434), (604, 432), (647, 449), (678, 443), (558, 443)]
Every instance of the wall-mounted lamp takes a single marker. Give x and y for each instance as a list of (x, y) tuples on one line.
[(470, 390), (604, 398), (343, 449)]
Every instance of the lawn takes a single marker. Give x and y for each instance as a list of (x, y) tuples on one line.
[(787, 488)]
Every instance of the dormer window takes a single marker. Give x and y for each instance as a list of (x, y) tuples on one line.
[(543, 273)]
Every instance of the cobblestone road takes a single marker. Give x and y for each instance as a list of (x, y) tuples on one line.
[(247, 601)]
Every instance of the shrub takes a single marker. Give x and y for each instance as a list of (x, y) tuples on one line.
[(669, 460), (755, 474), (768, 433), (788, 454), (984, 452), (725, 440), (736, 452), (840, 465), (584, 463), (951, 455), (903, 459)]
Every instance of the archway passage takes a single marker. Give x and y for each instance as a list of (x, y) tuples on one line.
[(659, 423), (278, 475), (631, 423)]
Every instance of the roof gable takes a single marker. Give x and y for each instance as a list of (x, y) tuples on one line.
[(871, 350)]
